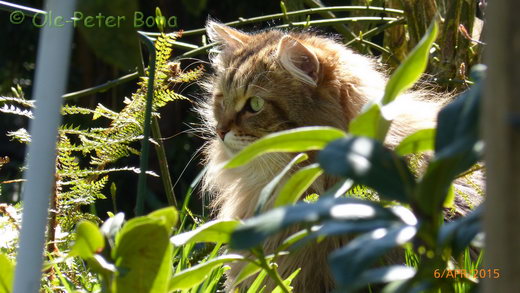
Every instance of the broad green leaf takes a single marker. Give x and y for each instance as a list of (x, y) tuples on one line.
[(294, 140), (287, 281), (368, 122), (266, 192), (297, 184), (89, 240), (6, 274), (169, 215), (413, 66), (255, 230), (214, 231), (369, 163), (457, 148), (349, 262), (197, 274), (143, 253), (420, 141)]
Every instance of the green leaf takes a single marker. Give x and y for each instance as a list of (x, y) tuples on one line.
[(248, 270), (169, 215), (287, 281), (89, 240), (420, 141), (368, 122), (6, 274), (257, 284), (348, 263), (383, 275), (297, 184), (369, 163), (214, 231), (293, 140), (457, 235), (197, 274), (144, 255), (266, 192), (457, 148), (413, 66), (255, 230)]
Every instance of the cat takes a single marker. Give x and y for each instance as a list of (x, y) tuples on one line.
[(276, 80)]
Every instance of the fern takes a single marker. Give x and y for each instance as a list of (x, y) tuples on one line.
[(86, 157)]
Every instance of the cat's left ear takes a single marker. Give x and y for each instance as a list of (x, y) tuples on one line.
[(299, 60)]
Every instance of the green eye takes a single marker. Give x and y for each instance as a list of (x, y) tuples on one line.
[(256, 104)]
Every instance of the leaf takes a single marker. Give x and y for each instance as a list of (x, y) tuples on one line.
[(383, 275), (255, 287), (89, 240), (293, 140), (266, 192), (112, 225), (348, 263), (369, 163), (368, 123), (457, 148), (412, 67), (297, 184), (457, 235), (197, 274), (255, 230), (169, 215), (420, 141), (214, 231), (287, 281), (6, 274), (144, 254)]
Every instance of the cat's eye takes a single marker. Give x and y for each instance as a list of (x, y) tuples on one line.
[(255, 104)]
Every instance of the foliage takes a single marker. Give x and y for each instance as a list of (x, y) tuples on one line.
[(381, 202)]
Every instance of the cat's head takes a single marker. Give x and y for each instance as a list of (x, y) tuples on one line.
[(273, 80)]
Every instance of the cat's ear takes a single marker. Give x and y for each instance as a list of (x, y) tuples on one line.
[(226, 35), (299, 60)]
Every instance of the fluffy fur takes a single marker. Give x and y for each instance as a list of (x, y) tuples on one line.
[(304, 79)]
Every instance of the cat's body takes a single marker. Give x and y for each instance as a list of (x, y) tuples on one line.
[(272, 81)]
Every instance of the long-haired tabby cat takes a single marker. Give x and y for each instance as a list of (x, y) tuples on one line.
[(275, 80)]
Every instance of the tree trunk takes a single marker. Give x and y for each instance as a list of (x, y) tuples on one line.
[(502, 135)]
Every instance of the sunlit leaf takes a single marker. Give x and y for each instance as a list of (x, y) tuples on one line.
[(89, 240), (294, 140), (297, 184), (214, 231), (369, 163), (197, 274)]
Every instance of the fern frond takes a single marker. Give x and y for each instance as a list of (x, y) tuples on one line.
[(21, 135), (11, 109), (21, 101)]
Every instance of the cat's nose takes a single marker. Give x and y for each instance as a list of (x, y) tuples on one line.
[(221, 132)]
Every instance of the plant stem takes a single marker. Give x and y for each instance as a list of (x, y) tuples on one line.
[(244, 21), (143, 166), (102, 87), (163, 163), (271, 270)]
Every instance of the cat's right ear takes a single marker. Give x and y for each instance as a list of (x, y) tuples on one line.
[(227, 36)]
